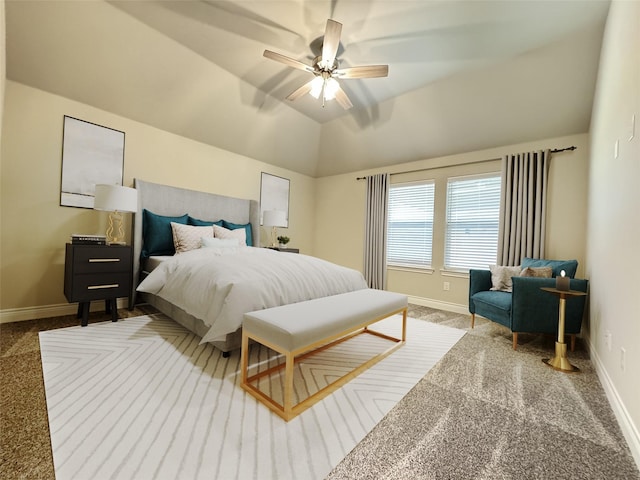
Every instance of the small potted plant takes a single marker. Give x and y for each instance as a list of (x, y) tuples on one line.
[(282, 240)]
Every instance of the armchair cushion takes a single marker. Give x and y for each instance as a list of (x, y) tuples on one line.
[(501, 277), (569, 266), (494, 305), (542, 272)]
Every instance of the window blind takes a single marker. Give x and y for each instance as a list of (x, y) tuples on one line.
[(410, 224), (473, 216)]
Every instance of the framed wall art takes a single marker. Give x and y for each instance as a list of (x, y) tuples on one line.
[(274, 195), (91, 154)]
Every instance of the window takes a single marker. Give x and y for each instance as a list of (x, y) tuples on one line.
[(410, 224), (473, 218)]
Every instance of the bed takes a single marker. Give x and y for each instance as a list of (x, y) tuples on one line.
[(207, 290)]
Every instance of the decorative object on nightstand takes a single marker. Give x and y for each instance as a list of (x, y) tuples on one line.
[(282, 241), (97, 272), (274, 219), (115, 199)]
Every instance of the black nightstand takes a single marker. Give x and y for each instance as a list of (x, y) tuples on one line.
[(283, 249), (97, 272)]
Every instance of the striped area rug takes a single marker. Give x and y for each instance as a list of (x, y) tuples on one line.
[(142, 399)]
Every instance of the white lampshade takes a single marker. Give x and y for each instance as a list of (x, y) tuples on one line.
[(115, 198), (274, 218)]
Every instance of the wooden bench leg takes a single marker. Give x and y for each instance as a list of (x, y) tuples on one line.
[(288, 385), (473, 319), (404, 325), (244, 358), (573, 342), (515, 340)]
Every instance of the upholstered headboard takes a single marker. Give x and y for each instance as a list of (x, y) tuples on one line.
[(174, 201)]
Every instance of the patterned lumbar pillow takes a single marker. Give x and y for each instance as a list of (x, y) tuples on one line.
[(541, 272), (188, 237), (501, 277), (239, 233)]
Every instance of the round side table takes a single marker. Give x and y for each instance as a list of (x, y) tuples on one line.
[(560, 362)]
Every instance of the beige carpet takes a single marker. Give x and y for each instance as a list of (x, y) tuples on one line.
[(488, 412), (142, 398)]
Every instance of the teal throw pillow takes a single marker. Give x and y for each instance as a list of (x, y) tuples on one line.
[(246, 226), (203, 223), (157, 237), (569, 266)]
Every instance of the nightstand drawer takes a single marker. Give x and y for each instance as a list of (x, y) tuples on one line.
[(91, 259), (87, 287)]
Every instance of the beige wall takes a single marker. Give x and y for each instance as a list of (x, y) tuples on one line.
[(34, 227), (341, 204), (614, 218), (3, 62)]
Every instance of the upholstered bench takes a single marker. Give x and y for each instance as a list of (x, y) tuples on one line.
[(300, 329)]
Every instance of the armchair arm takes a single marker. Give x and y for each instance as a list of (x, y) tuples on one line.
[(479, 281), (534, 310)]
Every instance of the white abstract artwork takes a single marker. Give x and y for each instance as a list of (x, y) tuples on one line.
[(91, 154), (274, 195)]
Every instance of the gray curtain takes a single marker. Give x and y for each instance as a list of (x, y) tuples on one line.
[(523, 206), (375, 242)]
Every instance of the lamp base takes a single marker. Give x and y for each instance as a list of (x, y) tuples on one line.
[(115, 232)]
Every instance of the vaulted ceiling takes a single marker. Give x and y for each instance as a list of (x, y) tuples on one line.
[(463, 75)]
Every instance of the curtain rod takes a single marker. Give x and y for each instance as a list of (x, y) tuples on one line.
[(556, 150)]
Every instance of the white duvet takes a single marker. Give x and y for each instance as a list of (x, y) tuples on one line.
[(219, 285)]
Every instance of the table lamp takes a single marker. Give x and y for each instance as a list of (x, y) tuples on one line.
[(273, 219), (115, 199)]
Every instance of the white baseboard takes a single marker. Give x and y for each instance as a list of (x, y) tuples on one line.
[(437, 304), (629, 429), (31, 313)]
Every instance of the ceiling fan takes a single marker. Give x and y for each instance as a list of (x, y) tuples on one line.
[(325, 69)]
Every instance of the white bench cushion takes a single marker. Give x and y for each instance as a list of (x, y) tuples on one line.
[(298, 325)]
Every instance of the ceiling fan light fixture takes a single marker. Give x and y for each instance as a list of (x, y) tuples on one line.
[(331, 86), (316, 87)]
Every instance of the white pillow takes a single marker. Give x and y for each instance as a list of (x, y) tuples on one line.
[(188, 237), (220, 242), (501, 277), (240, 234)]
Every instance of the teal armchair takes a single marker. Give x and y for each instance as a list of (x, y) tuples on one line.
[(528, 308)]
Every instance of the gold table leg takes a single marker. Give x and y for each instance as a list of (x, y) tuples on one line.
[(560, 361)]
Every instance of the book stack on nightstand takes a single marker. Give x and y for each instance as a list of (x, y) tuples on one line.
[(81, 239)]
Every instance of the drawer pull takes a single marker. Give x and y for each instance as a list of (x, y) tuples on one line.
[(103, 260), (99, 287)]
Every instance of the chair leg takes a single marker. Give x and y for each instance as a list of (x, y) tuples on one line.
[(573, 342), (473, 319), (515, 340)]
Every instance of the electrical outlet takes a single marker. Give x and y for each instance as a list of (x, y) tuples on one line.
[(446, 286), (607, 340), (623, 358)]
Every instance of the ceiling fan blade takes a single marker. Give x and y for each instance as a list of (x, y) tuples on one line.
[(303, 90), (287, 61), (331, 41), (342, 99), (368, 71)]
